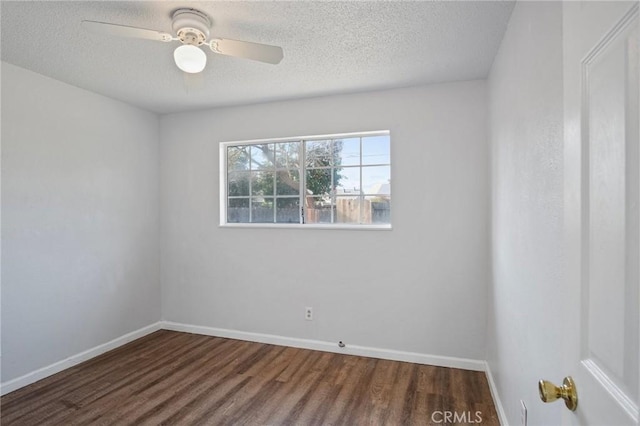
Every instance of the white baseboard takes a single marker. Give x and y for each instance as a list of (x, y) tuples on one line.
[(502, 416), (441, 361), (49, 370)]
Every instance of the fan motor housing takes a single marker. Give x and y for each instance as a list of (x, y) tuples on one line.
[(191, 26)]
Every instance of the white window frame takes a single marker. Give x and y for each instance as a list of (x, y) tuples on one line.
[(224, 183)]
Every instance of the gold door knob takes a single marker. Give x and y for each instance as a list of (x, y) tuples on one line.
[(550, 392)]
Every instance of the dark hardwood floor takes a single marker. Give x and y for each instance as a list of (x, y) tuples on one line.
[(183, 379)]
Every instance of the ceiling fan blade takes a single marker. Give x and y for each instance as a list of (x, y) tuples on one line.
[(247, 50), (125, 31)]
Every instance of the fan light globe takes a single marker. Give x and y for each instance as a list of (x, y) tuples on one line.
[(190, 58)]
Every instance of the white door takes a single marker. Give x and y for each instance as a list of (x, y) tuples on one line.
[(602, 185)]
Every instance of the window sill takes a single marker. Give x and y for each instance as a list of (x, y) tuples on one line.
[(383, 227)]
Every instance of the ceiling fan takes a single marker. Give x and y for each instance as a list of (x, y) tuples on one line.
[(191, 27)]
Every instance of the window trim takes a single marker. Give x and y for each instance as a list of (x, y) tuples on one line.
[(223, 183)]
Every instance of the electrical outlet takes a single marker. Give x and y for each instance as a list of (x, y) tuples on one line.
[(523, 414), (308, 313)]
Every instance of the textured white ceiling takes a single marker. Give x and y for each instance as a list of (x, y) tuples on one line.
[(329, 47)]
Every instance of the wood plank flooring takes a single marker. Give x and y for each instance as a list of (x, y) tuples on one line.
[(171, 378)]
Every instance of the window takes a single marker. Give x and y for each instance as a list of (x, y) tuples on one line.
[(322, 181)]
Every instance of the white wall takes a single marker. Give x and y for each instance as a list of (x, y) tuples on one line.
[(526, 134), (80, 220), (420, 287)]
